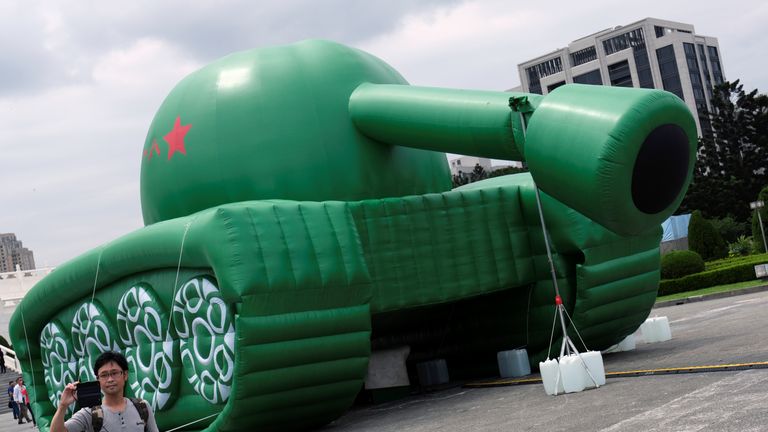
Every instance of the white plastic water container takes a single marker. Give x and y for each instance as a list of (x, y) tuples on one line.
[(648, 331), (432, 372), (629, 343), (550, 377), (573, 374), (513, 363), (656, 329), (594, 362), (386, 368), (663, 330)]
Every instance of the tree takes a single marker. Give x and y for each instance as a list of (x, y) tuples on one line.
[(729, 228), (704, 239), (732, 157), (507, 171), (478, 173)]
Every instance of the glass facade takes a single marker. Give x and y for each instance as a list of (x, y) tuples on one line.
[(592, 77), (661, 31), (623, 41), (534, 84), (705, 69), (620, 75), (634, 39), (583, 56), (541, 70), (644, 75), (698, 87), (554, 86), (714, 59), (670, 76)]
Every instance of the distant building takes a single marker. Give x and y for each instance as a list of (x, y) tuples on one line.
[(466, 164), (650, 53), (13, 253)]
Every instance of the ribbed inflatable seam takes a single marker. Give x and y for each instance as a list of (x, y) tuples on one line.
[(287, 249), (339, 249), (347, 345), (595, 292), (407, 216), (451, 259), (293, 377), (293, 325), (614, 305), (490, 237), (259, 246), (428, 202), (336, 391), (314, 252)]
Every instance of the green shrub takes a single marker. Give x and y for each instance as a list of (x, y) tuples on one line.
[(741, 247), (677, 264), (730, 262), (704, 239), (740, 272)]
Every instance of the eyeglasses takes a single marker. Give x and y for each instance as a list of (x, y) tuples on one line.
[(115, 374)]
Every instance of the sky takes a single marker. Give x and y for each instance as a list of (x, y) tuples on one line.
[(80, 80)]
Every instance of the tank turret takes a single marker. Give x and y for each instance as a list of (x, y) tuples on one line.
[(321, 121)]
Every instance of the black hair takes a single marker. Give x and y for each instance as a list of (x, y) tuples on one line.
[(110, 356)]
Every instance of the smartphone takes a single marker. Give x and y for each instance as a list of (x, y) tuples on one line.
[(88, 394)]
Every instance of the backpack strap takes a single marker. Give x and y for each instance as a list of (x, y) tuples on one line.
[(97, 418), (141, 407), (97, 414)]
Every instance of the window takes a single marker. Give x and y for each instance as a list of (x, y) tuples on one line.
[(661, 31), (592, 77), (554, 86), (714, 58), (621, 42), (541, 70), (634, 39), (620, 75), (534, 84), (670, 77), (643, 67), (705, 69), (583, 56), (698, 88)]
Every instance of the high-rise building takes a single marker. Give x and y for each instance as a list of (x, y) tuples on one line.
[(650, 53), (13, 253)]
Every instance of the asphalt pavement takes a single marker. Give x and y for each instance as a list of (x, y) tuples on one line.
[(714, 332), (718, 331)]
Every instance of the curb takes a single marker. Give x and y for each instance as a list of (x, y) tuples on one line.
[(714, 296)]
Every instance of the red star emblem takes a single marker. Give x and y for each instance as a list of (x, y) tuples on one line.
[(175, 138), (154, 150)]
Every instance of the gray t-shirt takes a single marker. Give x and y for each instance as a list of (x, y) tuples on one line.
[(126, 421)]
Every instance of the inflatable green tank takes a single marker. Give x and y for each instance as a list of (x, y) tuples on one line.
[(299, 215)]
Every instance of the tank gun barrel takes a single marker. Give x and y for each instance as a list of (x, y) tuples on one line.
[(621, 156), (471, 122)]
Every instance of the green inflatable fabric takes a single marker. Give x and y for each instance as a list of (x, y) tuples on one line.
[(299, 216)]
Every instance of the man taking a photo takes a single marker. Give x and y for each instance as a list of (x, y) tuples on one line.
[(116, 412)]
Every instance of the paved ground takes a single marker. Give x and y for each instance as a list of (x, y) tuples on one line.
[(727, 330)]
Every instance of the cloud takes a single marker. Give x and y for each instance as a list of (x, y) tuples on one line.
[(73, 152), (81, 81)]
